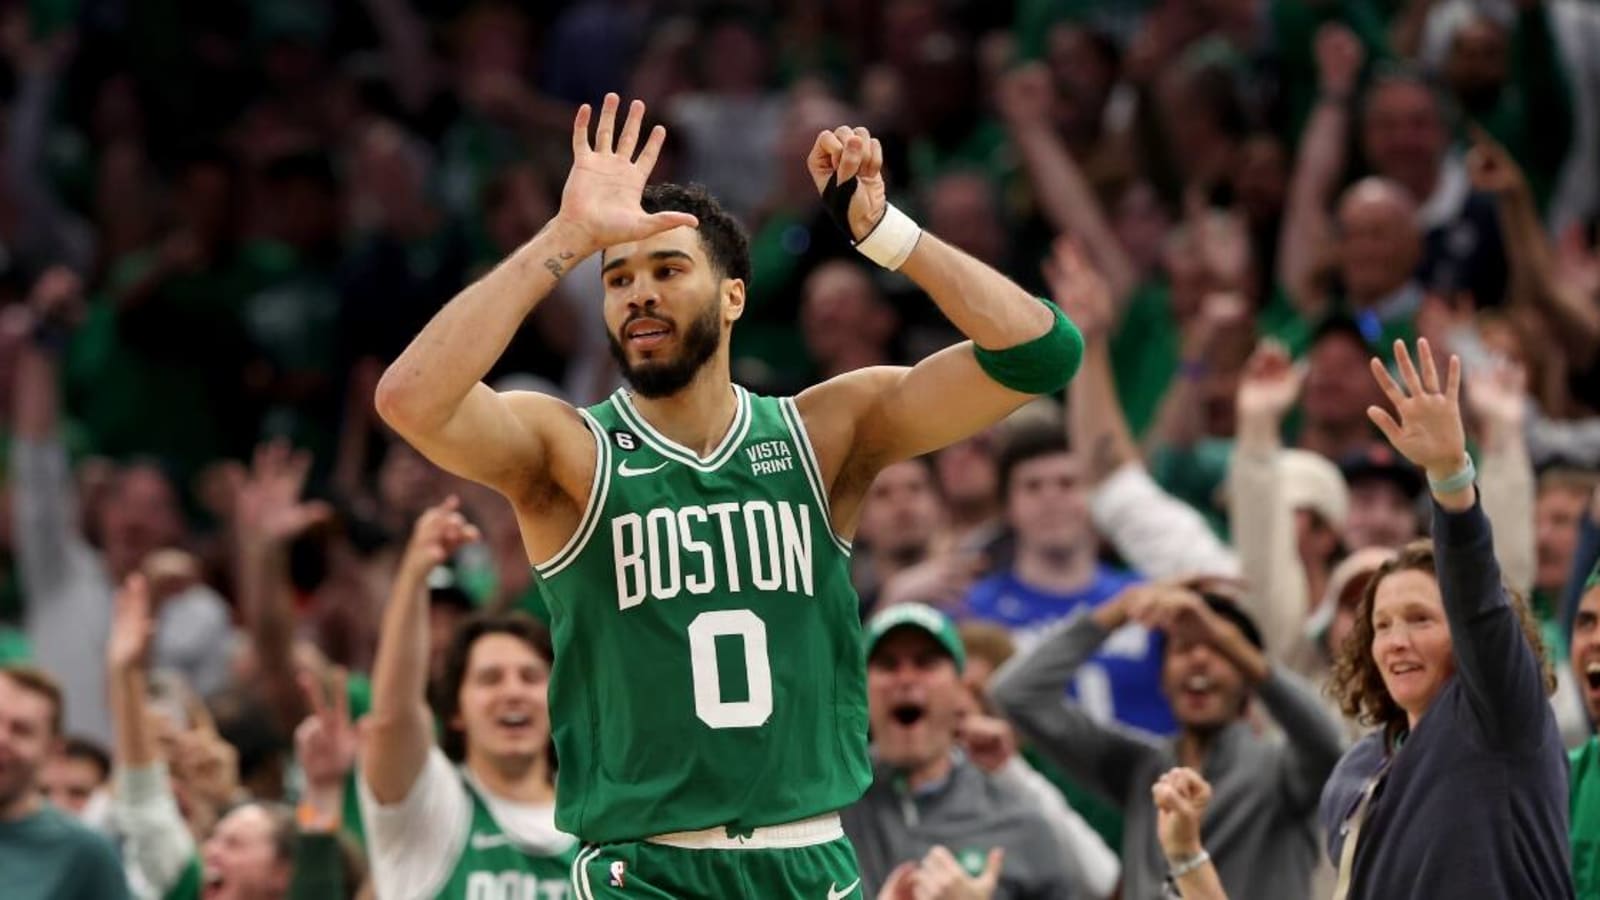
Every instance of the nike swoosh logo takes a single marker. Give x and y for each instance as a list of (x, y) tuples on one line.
[(835, 894), (489, 841), (626, 472)]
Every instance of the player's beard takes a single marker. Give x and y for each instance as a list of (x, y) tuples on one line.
[(663, 378)]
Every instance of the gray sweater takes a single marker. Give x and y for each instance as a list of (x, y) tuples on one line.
[(1475, 801), (1260, 828), (969, 814)]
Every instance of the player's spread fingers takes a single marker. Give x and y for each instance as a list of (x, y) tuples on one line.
[(608, 122), (652, 148), (628, 141), (580, 131)]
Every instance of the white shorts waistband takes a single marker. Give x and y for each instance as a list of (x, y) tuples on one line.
[(804, 833)]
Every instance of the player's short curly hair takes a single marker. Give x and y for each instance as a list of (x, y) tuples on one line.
[(1357, 682), (725, 241)]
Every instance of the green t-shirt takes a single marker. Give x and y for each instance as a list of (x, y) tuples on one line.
[(49, 856), (1585, 811)]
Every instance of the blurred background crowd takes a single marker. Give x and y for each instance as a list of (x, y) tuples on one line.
[(220, 221)]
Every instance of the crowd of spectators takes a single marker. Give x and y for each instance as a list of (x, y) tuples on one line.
[(219, 222)]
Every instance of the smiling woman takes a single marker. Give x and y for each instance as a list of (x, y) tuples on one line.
[(1448, 663), (1399, 653)]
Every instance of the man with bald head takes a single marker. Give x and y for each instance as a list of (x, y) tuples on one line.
[(1405, 137), (1380, 246)]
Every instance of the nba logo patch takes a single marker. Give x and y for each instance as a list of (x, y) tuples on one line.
[(625, 439), (619, 873)]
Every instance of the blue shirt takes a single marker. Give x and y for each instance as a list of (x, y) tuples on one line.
[(1122, 682)]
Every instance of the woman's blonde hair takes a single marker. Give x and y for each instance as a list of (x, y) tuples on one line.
[(1357, 683)]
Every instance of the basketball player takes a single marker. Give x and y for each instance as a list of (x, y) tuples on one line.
[(690, 539)]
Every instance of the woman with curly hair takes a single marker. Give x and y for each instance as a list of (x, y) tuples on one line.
[(1461, 790)]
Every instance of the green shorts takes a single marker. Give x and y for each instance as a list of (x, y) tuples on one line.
[(770, 864)]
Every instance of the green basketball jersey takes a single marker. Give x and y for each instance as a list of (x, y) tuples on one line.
[(493, 867), (708, 666)]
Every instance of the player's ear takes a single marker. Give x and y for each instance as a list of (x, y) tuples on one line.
[(732, 298)]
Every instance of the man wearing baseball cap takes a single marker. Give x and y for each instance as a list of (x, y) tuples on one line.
[(933, 817), (1384, 491)]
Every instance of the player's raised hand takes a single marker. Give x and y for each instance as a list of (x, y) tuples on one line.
[(440, 531), (845, 153), (601, 198)]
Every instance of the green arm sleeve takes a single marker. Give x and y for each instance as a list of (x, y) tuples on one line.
[(1043, 365)]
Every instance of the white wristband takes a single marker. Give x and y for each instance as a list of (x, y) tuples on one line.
[(892, 240), (1178, 870)]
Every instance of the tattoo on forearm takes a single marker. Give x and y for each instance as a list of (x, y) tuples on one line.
[(557, 264)]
